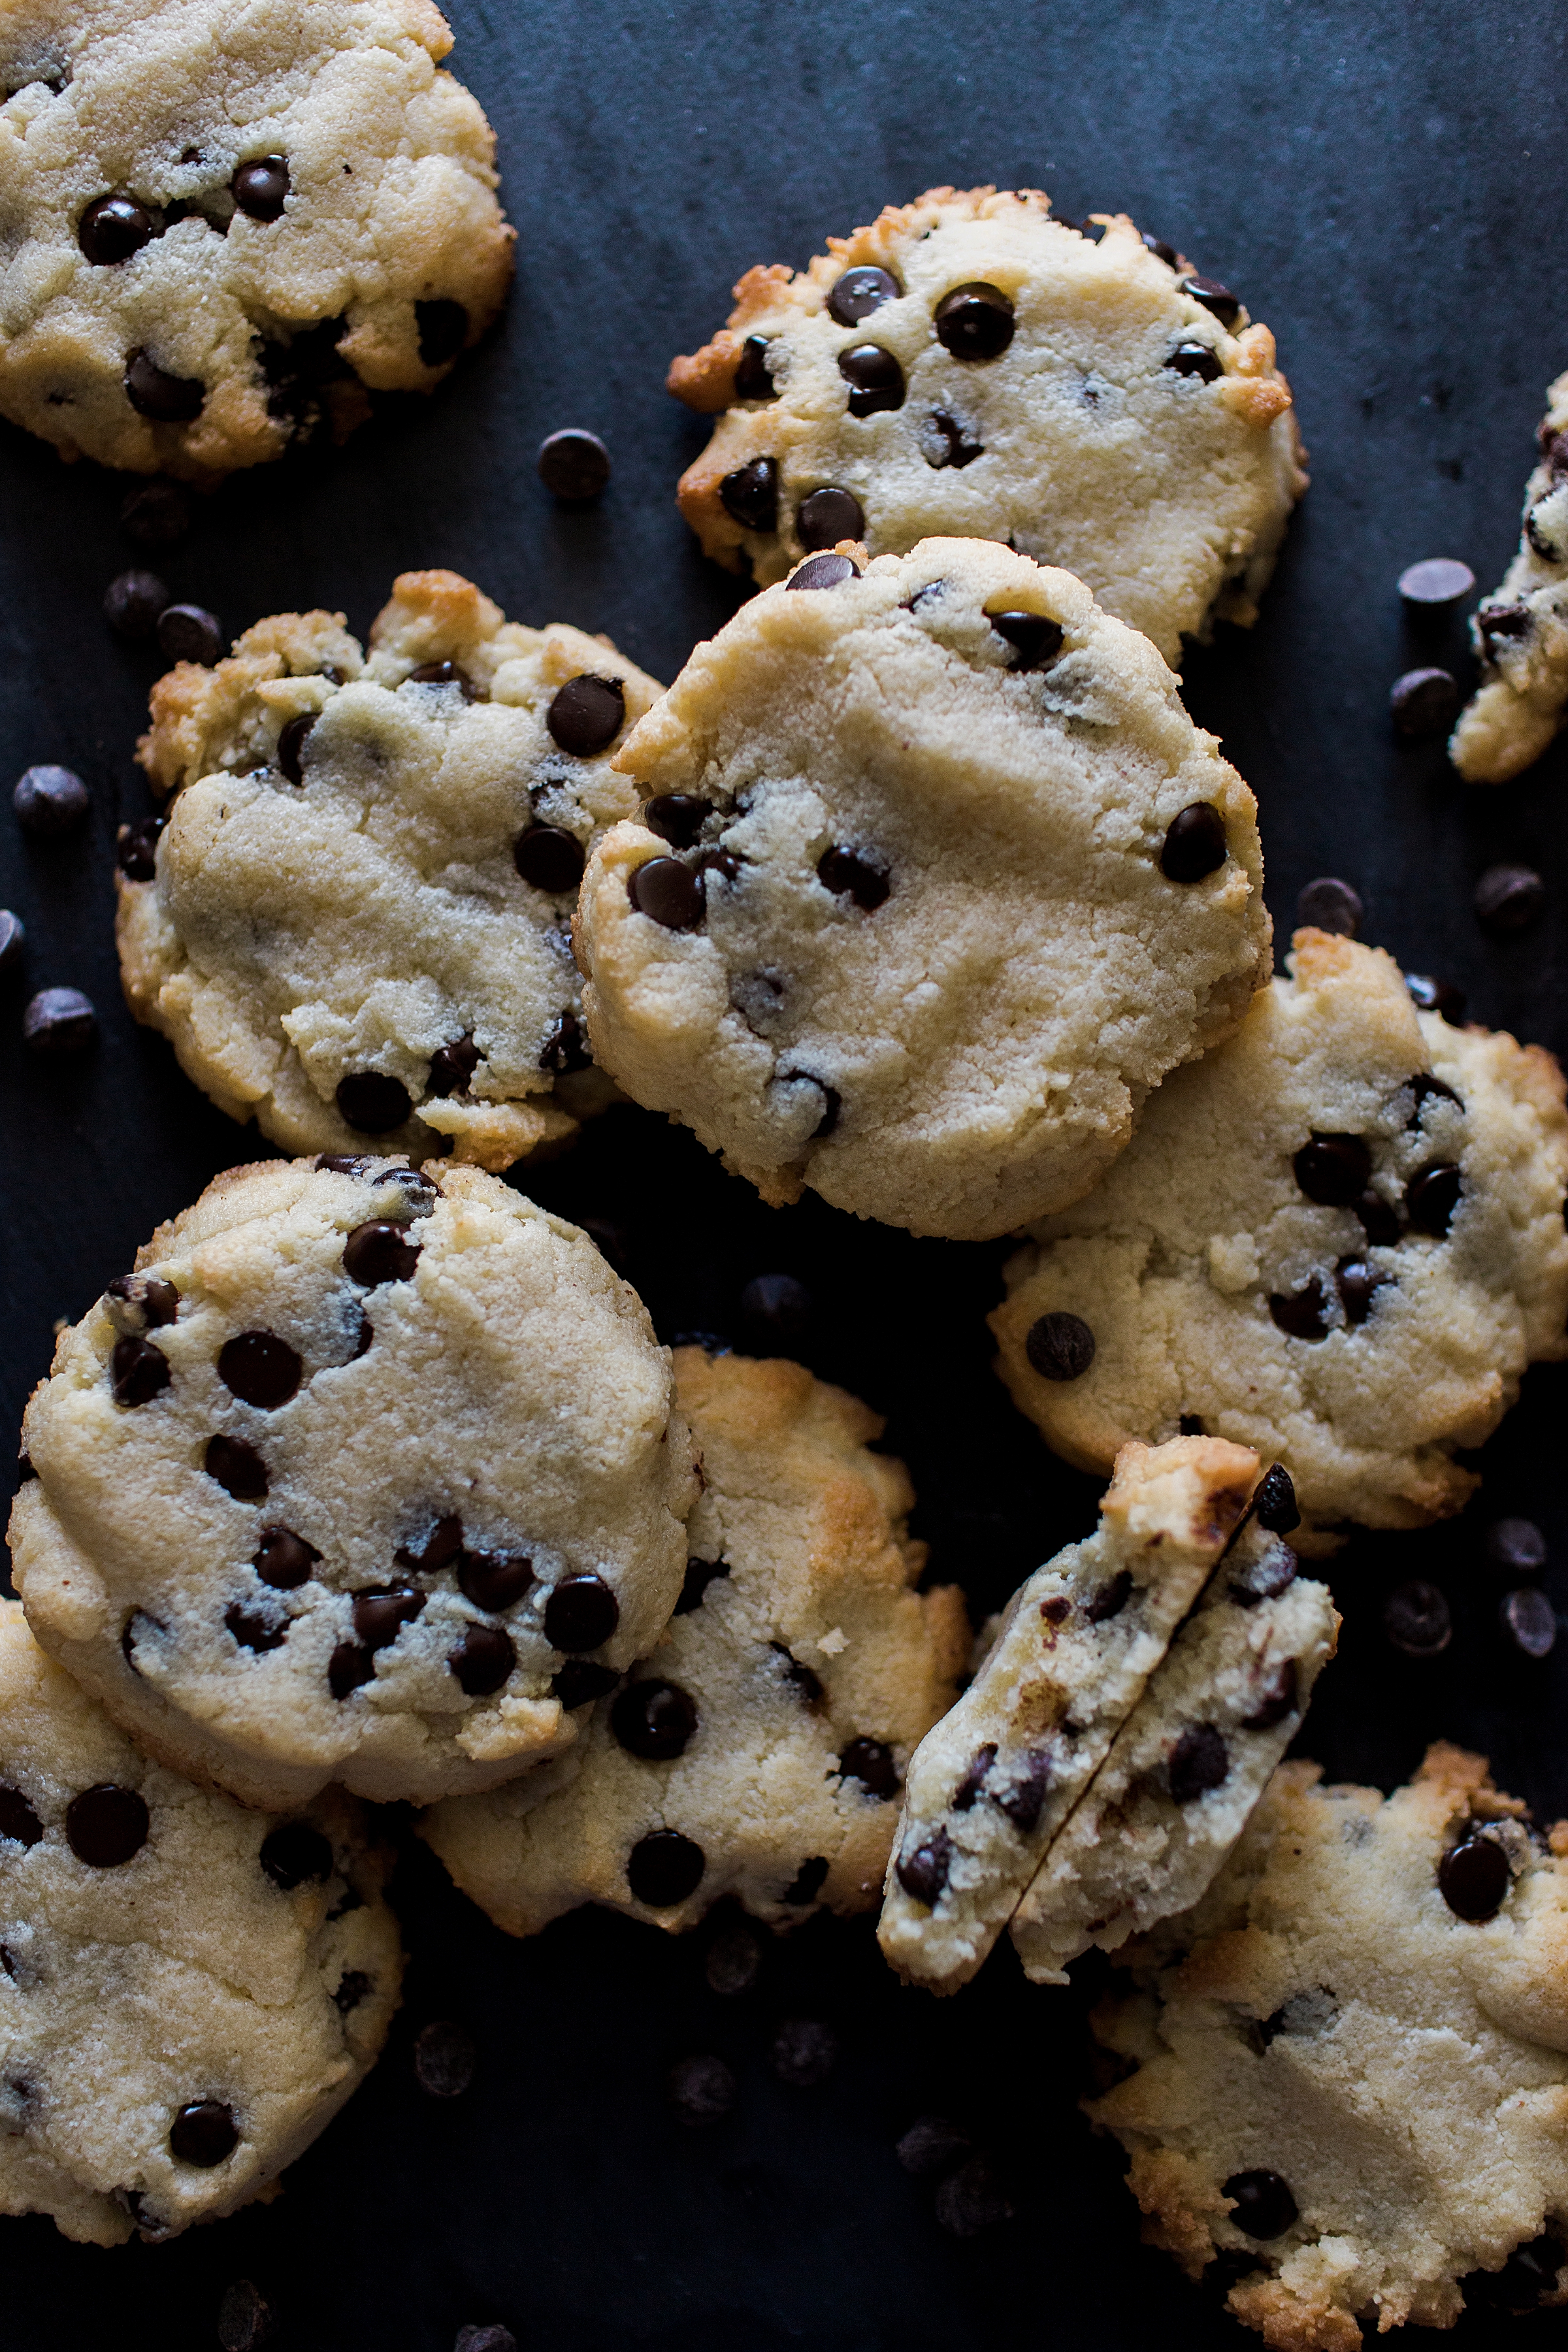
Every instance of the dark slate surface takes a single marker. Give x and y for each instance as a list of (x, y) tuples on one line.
[(1384, 185)]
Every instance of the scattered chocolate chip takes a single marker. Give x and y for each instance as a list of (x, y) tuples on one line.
[(1110, 1600), (1035, 638), (1379, 1219), (1330, 904), (1499, 624), (1508, 899), (1516, 1547), (922, 1869), (668, 892), (1195, 843), (1199, 1761), (803, 2052), (1302, 1314), (700, 1575), (944, 441), (734, 1959), (444, 2058), (870, 1761), (132, 604), (579, 1683), (753, 377), (138, 848), (977, 1773), (1424, 703), (238, 1467), (664, 1868), (163, 399), (827, 516), (701, 2090), (244, 2317), (1432, 1197), (549, 858), (1438, 580), (1162, 251), (1059, 1347), (253, 1629), (1265, 1578), (1214, 297), (1278, 1698), (482, 1659), (380, 1616), (115, 228), (876, 381), (451, 1067), (494, 1581), (654, 1719), (1274, 1501), (1528, 1620), (373, 1101), (352, 1988), (204, 2132), (1430, 996), (573, 465), (260, 1369), (18, 1821), (972, 2200), (349, 1668), (807, 1883), (676, 817), (58, 1021), (822, 571), (581, 1613), (1358, 1285), (751, 495), (1417, 1620), (860, 291), (106, 1825), (50, 801), (290, 754), (186, 633), (1474, 1878), (13, 939), (932, 2146), (974, 321), (443, 329), (259, 188), (156, 514), (138, 1371), (849, 875), (378, 1252), (1025, 1794), (294, 1854), (1333, 1169), (778, 1306), (586, 714), (1200, 360), (1264, 2205)]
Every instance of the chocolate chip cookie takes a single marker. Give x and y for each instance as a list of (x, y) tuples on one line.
[(1520, 630)]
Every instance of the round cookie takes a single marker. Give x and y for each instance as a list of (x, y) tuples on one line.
[(757, 1752), (189, 1990), (355, 922), (936, 880), (358, 1477), (968, 367), (1346, 2076), (231, 221), (1520, 630), (1338, 1240)]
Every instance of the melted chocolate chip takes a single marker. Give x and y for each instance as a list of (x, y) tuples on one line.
[(668, 892), (259, 188), (922, 1869), (349, 1668), (482, 1659), (294, 1854), (751, 495), (581, 1613), (1194, 359), (1264, 2205), (1303, 1314), (138, 1371), (578, 1682), (586, 715), (115, 228), (870, 1761), (876, 381), (977, 1773), (1474, 1878), (1059, 1347), (573, 465), (380, 1616), (822, 571), (1333, 1169), (1432, 1197), (753, 377), (1379, 1219), (974, 321), (1330, 904), (163, 399), (849, 875), (1417, 1619), (260, 1369), (106, 1825), (1438, 579), (1110, 1600), (860, 291), (1195, 843), (549, 858), (138, 849), (1358, 1285), (946, 442), (494, 1581), (676, 817), (204, 2134), (442, 327), (1276, 1700), (1199, 1761), (1025, 1794), (654, 1719), (1214, 297), (451, 1067), (238, 1467), (1508, 899), (374, 1101), (664, 1868), (827, 516), (253, 1629), (1528, 1620), (378, 1252), (1424, 703), (1035, 639), (1274, 1501), (18, 1821)]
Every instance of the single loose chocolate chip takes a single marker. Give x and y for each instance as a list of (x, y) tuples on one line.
[(753, 377), (1474, 1878), (132, 604), (484, 2339), (860, 291), (163, 399), (18, 1821), (1110, 1600), (1333, 1169), (189, 634), (945, 441), (290, 750), (1264, 2205), (378, 1252), (1214, 297), (1330, 904), (1194, 359), (106, 1825), (1379, 1219), (482, 1659), (113, 228), (654, 1719), (850, 875), (373, 1101), (807, 1883), (1059, 1347), (1274, 1501), (1264, 1579), (972, 2200), (58, 1021), (734, 1959), (974, 321), (581, 1613), (294, 1854), (1162, 251), (827, 516), (138, 848), (1302, 1314), (977, 1773), (778, 1305), (1035, 639), (204, 2132), (664, 1868), (259, 188), (932, 2146), (349, 1668), (253, 1629), (586, 714), (1508, 899), (244, 2317), (1276, 1700), (1432, 1197), (803, 2052), (1436, 580), (260, 1369), (494, 1579), (50, 801), (579, 1683), (155, 514), (1358, 1285), (1424, 703), (676, 817), (138, 1371), (870, 1761), (380, 1616), (875, 378), (1499, 624), (1516, 1547), (701, 2090), (1528, 1620), (238, 1467), (1199, 1761), (13, 939), (668, 892), (922, 1869), (1195, 843), (700, 1573), (444, 2058), (822, 571), (1417, 1620), (573, 465), (443, 330), (1025, 1794), (750, 494)]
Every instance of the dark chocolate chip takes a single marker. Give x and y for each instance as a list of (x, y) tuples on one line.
[(664, 1868), (1432, 1197), (113, 228), (700, 1575), (156, 514), (972, 2200), (244, 2317), (946, 442), (579, 1683), (807, 1883), (1195, 843), (260, 1369), (1436, 580), (378, 1252), (827, 516), (1330, 904), (163, 399), (751, 495), (294, 1854), (1417, 1620), (573, 465), (803, 2052), (1430, 996), (1025, 1794), (1424, 1088), (1162, 251), (734, 1959), (18, 1821), (1194, 359), (1274, 1501), (654, 1719), (1199, 1761), (50, 801), (586, 714), (581, 1613), (849, 875), (870, 1761), (701, 2090), (238, 1467), (373, 1101), (549, 858), (1516, 1547), (444, 673), (443, 1544), (676, 817), (352, 1988), (1059, 1347), (860, 291), (1190, 1425), (1379, 1219), (753, 377), (58, 1021), (1424, 703), (668, 892), (778, 1305), (932, 2146), (1358, 1285), (349, 1668), (1265, 1578), (922, 1869), (204, 2132), (443, 330), (444, 2058), (289, 755), (1528, 1620), (482, 1659), (138, 1371), (1333, 1169), (1474, 1878), (451, 1066), (1278, 1699), (138, 850), (1264, 2205), (1499, 624), (1110, 1600), (876, 381), (1214, 297), (1035, 639), (253, 1629), (259, 188), (1302, 1314), (106, 1825), (13, 939), (1508, 899), (822, 571), (380, 1616), (493, 1579), (974, 321), (806, 1683), (132, 604)]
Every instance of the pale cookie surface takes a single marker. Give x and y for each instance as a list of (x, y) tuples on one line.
[(991, 1786), (936, 880), (1349, 2073), (189, 1990), (1338, 1240), (967, 367), (350, 1480), (230, 221), (757, 1751), (1520, 630), (1188, 1765), (357, 918)]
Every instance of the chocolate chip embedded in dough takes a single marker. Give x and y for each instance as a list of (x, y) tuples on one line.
[(1059, 1347), (18, 1821), (260, 1369), (822, 571), (581, 1613), (290, 754), (664, 1868), (378, 1252), (494, 1581), (1417, 1620), (106, 1825), (807, 1883), (669, 893), (1358, 1285), (829, 515), (1429, 995), (871, 1762), (162, 398), (1333, 1170), (1194, 359), (1474, 1878), (452, 1066), (751, 495), (849, 874), (1278, 1699), (922, 1868), (1035, 638), (374, 1101), (579, 1683), (253, 1629), (1500, 624), (1162, 251), (1265, 2208), (974, 322), (283, 1559), (482, 1659), (549, 858), (1379, 1219), (1302, 1314), (1432, 1197), (876, 379), (1274, 1501), (1264, 1579), (138, 1371), (943, 441), (654, 1719), (1023, 1796), (1110, 1600), (1199, 1761), (676, 817), (204, 2132), (380, 1616), (295, 1855), (349, 1668), (137, 851), (115, 228), (586, 714), (237, 1466), (442, 327), (1195, 843), (806, 1683), (753, 377), (860, 291), (700, 1575), (1224, 305), (260, 187)]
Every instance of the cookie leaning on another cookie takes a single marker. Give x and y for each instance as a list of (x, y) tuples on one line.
[(757, 1749), (968, 367), (360, 1477), (188, 1990), (355, 922), (1339, 1239), (935, 881), (1520, 630)]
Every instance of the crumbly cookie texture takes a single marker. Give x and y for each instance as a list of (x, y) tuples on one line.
[(230, 221), (757, 1751), (356, 921), (1191, 1762), (936, 879), (355, 1479), (991, 1786), (1338, 1240), (1346, 2071), (968, 367), (189, 1990), (1520, 630)]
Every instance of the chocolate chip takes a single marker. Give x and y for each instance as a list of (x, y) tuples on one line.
[(1270, 1574), (1379, 1219), (1025, 1794), (1333, 1169), (803, 2052), (700, 1575), (1417, 1619), (1214, 297), (700, 2089), (977, 1773), (1195, 843), (1424, 1088), (1330, 904), (586, 714), (1302, 1314), (485, 2340), (482, 1659), (451, 1066), (260, 1369), (1036, 640), (753, 377), (113, 228), (1278, 1699), (734, 1959), (1508, 899), (668, 892), (664, 1868), (807, 1883), (294, 1854), (827, 516), (18, 1821), (259, 188), (106, 1825), (352, 1988), (373, 1101), (974, 321), (443, 1544), (822, 571), (932, 2146), (676, 817), (946, 442), (1196, 359), (1430, 996), (163, 399), (444, 2058), (849, 875), (654, 1719), (1199, 1761), (58, 1021), (138, 1371), (1499, 624), (494, 1581), (378, 1252), (549, 858), (750, 494), (1424, 703), (579, 1684), (876, 381), (132, 604), (238, 1467), (138, 848), (565, 1049), (204, 2132), (581, 1613), (1436, 580), (349, 1668), (155, 514), (1110, 1600), (444, 673), (1528, 1620), (244, 2318), (573, 465), (1358, 1285), (1059, 1347), (1516, 1547), (443, 329), (972, 2200), (50, 801), (778, 1305), (1190, 1425), (860, 291), (806, 1683), (380, 1616), (1432, 1197), (290, 754), (253, 1629), (922, 1869), (1274, 1501), (1264, 2205), (13, 939), (870, 1761), (1474, 1878), (1162, 251)]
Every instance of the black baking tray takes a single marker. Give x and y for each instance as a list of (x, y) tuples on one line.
[(1384, 184)]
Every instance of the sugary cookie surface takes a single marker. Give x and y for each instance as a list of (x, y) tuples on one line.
[(188, 1990), (935, 879), (357, 1477), (758, 1749), (229, 221), (357, 921), (1520, 630), (1346, 2075), (968, 367), (1338, 1239)]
